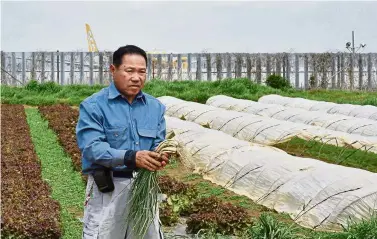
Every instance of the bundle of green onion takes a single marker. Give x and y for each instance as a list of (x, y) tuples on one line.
[(143, 204)]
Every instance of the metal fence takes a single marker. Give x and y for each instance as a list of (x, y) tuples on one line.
[(303, 70)]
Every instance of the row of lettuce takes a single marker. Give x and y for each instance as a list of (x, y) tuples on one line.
[(28, 211)]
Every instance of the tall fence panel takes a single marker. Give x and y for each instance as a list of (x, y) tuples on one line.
[(303, 70)]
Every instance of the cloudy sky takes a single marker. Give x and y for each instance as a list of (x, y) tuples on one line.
[(192, 26)]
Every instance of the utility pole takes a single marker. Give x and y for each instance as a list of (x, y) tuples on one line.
[(353, 42), (351, 46), (57, 66)]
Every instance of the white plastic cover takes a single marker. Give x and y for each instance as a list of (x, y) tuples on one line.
[(314, 193), (260, 129), (342, 123), (358, 111)]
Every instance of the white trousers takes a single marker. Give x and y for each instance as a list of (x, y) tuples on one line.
[(105, 213)]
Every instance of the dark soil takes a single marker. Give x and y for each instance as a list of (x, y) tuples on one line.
[(28, 211)]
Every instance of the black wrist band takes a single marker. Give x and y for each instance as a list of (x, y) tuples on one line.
[(130, 159)]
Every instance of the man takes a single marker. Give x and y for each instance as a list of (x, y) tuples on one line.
[(117, 132)]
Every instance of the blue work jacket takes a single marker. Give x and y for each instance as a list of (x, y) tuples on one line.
[(109, 125)]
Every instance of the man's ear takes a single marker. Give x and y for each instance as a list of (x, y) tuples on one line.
[(112, 68)]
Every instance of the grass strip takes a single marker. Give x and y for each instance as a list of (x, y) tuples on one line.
[(199, 91), (62, 119), (67, 185), (348, 157)]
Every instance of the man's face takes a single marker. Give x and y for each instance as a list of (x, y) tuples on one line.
[(129, 77)]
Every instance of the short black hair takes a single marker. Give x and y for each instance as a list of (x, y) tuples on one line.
[(128, 49)]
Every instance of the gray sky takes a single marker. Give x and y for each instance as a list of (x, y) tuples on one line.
[(188, 26)]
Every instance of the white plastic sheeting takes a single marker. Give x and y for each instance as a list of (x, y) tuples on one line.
[(314, 193), (342, 123), (358, 111), (258, 129)]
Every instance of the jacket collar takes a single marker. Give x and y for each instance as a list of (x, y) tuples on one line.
[(114, 93)]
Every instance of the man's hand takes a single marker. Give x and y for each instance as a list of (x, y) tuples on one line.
[(151, 161), (164, 159)]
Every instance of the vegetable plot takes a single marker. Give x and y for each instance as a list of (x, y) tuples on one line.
[(27, 207), (358, 111), (298, 186), (260, 129)]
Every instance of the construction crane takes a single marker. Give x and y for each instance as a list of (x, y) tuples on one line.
[(93, 48), (91, 42)]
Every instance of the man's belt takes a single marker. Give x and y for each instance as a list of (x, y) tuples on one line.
[(122, 174)]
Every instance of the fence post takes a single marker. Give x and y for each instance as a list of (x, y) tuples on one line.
[(170, 67), (238, 66), (333, 72), (370, 71), (23, 68), (3, 64), (149, 67), (268, 65), (33, 75), (189, 76), (14, 72), (43, 62), (375, 62), (209, 67), (57, 67), (297, 71), (259, 69), (159, 66), (62, 66), (229, 66), (351, 75), (360, 72), (248, 66), (52, 66), (219, 66), (314, 65), (306, 71), (324, 82), (81, 67), (100, 68), (110, 62), (284, 66), (278, 64), (72, 69), (288, 59), (91, 73), (198, 67), (179, 66), (338, 83), (342, 75)]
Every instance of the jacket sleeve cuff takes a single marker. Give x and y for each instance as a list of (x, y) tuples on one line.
[(130, 159), (117, 158)]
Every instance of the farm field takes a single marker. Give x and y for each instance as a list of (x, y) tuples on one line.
[(49, 115)]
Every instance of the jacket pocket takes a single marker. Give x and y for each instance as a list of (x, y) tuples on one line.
[(149, 133), (147, 137), (116, 136)]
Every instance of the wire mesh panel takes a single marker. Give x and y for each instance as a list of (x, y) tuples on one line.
[(302, 70)]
